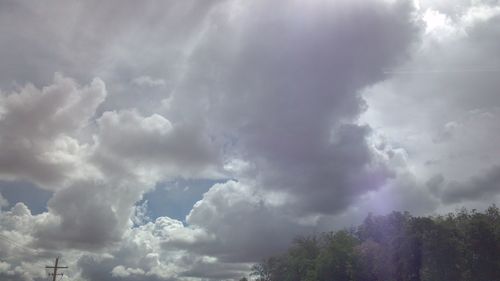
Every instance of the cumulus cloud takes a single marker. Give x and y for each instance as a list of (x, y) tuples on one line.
[(87, 215), (128, 141), (39, 131), (229, 212), (85, 212), (140, 257), (287, 106), (121, 271), (51, 137), (290, 97), (19, 261)]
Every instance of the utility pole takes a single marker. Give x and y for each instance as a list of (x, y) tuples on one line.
[(55, 267)]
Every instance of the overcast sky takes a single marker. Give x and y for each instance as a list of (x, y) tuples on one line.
[(186, 140)]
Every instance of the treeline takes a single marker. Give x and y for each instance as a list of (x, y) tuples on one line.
[(460, 246)]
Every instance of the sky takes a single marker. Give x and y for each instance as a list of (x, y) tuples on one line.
[(187, 140)]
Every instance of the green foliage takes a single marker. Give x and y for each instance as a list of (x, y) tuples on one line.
[(461, 246)]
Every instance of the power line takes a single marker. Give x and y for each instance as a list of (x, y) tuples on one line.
[(16, 244), (55, 268)]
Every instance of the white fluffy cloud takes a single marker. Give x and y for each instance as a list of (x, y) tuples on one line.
[(128, 141), (40, 129)]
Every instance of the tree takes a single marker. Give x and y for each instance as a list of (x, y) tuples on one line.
[(338, 259), (301, 258), (269, 270), (463, 246)]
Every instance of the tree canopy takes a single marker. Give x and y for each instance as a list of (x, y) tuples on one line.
[(460, 246)]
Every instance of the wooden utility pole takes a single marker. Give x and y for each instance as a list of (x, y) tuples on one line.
[(55, 267)]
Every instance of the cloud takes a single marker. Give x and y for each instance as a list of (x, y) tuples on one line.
[(148, 81), (99, 40), (216, 271), (140, 257), (289, 99), (121, 271), (87, 215), (51, 137), (132, 142), (19, 261), (39, 131), (3, 202), (288, 108), (230, 212), (485, 186), (444, 110)]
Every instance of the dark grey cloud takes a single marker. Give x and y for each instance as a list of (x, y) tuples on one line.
[(480, 187), (286, 91), (218, 271), (86, 215), (285, 95)]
